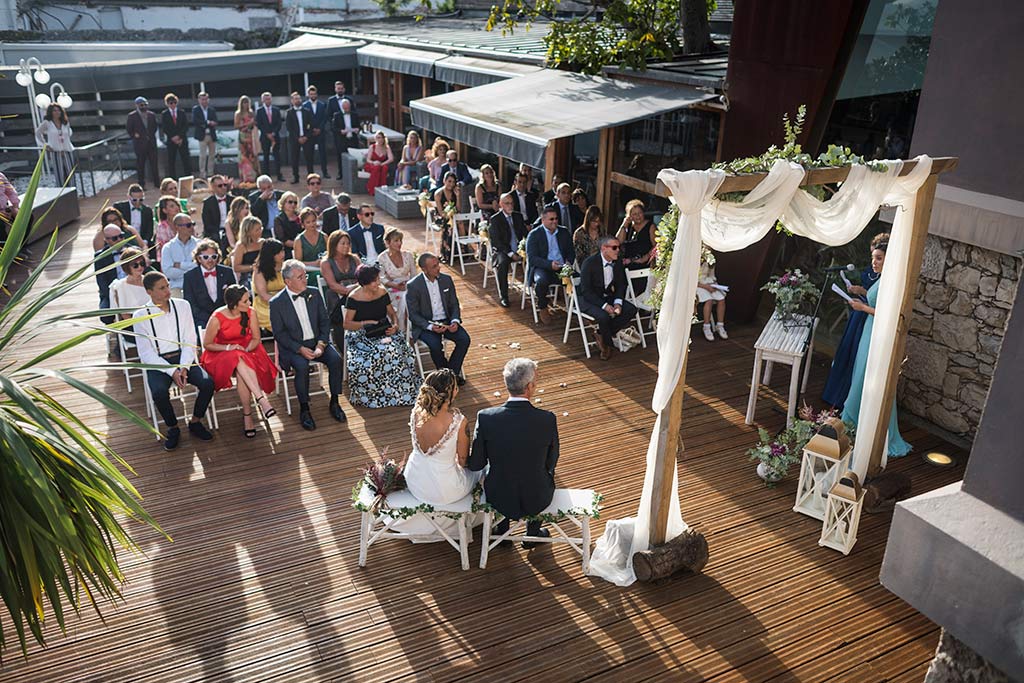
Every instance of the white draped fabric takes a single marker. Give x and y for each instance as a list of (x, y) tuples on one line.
[(730, 226)]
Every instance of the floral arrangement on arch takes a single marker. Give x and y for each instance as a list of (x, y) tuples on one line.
[(791, 289), (786, 448)]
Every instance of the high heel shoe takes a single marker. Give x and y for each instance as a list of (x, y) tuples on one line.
[(269, 412), (249, 433)]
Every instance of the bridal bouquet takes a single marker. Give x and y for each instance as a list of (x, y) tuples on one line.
[(384, 476)]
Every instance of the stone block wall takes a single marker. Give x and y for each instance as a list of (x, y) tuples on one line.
[(962, 302)]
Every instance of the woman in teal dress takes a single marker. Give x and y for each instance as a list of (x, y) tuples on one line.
[(896, 445)]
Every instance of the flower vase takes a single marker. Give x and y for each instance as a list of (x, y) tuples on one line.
[(768, 475)]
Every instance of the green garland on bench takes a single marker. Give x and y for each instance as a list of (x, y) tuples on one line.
[(594, 511)]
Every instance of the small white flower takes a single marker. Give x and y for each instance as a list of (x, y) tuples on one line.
[(540, 391), (563, 385), (565, 414), (497, 393)]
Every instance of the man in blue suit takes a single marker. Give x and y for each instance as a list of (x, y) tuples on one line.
[(318, 112), (204, 129), (548, 248), (366, 236)]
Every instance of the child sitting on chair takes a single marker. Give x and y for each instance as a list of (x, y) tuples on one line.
[(709, 292)]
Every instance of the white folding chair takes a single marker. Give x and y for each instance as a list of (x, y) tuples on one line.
[(490, 272), (643, 309), (583, 320), (179, 395), (421, 351), (283, 377), (430, 238), (124, 346), (527, 293), (463, 243)]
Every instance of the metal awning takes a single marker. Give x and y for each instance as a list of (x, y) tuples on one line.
[(517, 117), (474, 71), (401, 60)]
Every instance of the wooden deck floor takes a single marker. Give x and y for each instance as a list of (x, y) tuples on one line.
[(261, 581)]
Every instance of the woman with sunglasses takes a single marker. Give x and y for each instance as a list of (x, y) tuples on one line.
[(166, 209), (316, 200), (129, 292), (378, 160), (287, 225)]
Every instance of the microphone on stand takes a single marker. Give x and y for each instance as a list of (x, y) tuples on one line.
[(848, 267)]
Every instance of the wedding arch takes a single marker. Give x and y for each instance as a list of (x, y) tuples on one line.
[(777, 195)]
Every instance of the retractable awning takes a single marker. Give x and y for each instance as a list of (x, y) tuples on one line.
[(517, 117), (474, 71), (401, 60)]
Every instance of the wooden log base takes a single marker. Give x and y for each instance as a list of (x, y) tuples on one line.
[(883, 492), (688, 550)]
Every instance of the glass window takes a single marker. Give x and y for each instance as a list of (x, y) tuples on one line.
[(438, 87), (412, 89), (584, 163)]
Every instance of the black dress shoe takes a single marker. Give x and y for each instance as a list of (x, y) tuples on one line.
[(295, 180), (199, 430), (337, 413), (280, 178), (503, 303), (542, 533), (460, 380), (306, 418), (500, 529), (173, 437)]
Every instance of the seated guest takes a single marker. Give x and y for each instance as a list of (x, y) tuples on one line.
[(301, 329), (507, 229), (435, 314), (176, 258), (137, 214), (111, 216), (602, 293), (367, 236), (518, 443), (397, 267), (708, 295), (552, 194), (487, 192), (453, 165), (447, 203), (169, 188), (338, 270), (381, 367), (548, 248), (316, 200), (263, 202), (238, 210), (586, 240), (106, 267), (311, 244), (250, 241), (528, 174), (167, 208), (287, 226), (129, 291), (379, 158), (169, 339), (637, 235), (232, 348), (526, 199), (215, 208), (341, 216), (435, 164), (569, 215), (412, 154), (204, 286), (580, 200), (267, 280)]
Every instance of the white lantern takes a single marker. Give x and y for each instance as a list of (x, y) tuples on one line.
[(42, 100), (42, 76), (64, 100), (23, 78)]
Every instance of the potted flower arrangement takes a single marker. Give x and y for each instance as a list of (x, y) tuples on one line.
[(776, 453), (791, 290), (566, 274)]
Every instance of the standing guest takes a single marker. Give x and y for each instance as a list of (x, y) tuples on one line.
[(128, 292), (316, 200), (460, 169), (245, 124), (518, 443), (142, 127), (528, 172), (267, 280), (548, 248), (580, 200), (367, 236), (232, 348), (167, 208), (397, 267), (435, 164), (176, 257), (381, 366), (169, 339), (237, 212), (204, 129), (526, 198), (587, 238), (263, 201), (569, 215), (250, 241), (552, 194), (301, 329), (447, 203), (338, 269), (215, 208), (174, 124), (412, 155), (299, 123), (435, 315), (204, 286), (709, 295), (345, 127), (9, 201), (602, 294), (341, 216), (54, 135), (287, 226), (268, 123), (378, 159), (637, 235), (895, 445), (311, 243), (317, 110), (487, 192), (137, 214), (507, 229)]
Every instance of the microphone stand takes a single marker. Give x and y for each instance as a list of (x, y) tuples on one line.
[(805, 358)]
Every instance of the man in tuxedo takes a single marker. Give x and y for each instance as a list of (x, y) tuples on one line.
[(263, 203), (435, 314), (526, 200), (548, 248), (367, 237), (569, 215), (268, 122), (345, 128), (299, 123), (204, 129), (204, 286), (318, 112), (142, 127), (174, 124), (520, 443), (335, 107), (302, 330), (137, 214), (506, 230), (551, 195), (215, 208), (341, 216), (602, 293)]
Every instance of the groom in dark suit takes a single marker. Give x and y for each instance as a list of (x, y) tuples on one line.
[(602, 293), (520, 442), (302, 331), (435, 314)]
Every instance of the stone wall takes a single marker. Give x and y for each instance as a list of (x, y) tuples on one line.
[(963, 298)]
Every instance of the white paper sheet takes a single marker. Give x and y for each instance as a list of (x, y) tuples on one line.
[(841, 292)]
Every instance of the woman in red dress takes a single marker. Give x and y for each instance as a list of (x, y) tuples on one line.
[(231, 347), (378, 159)]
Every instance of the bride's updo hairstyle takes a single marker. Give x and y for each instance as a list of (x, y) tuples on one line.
[(438, 388)]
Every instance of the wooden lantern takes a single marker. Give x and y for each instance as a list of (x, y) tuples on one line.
[(824, 457), (842, 514)]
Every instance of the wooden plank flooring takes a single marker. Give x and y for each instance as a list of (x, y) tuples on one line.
[(261, 582)]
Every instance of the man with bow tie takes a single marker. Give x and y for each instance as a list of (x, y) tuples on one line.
[(204, 286), (215, 208), (302, 330), (602, 294), (367, 237)]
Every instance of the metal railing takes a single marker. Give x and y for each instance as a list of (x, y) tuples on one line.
[(96, 166)]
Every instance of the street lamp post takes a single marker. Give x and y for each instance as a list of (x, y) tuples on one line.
[(30, 72)]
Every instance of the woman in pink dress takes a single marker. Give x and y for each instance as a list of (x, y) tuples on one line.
[(378, 159), (245, 122)]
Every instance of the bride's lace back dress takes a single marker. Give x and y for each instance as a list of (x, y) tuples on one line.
[(435, 475)]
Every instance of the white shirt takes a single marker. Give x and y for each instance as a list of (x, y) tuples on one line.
[(436, 305), (298, 115), (371, 250), (222, 204), (348, 120), (517, 398), (136, 218), (511, 231), (609, 273), (522, 203), (210, 282), (206, 115), (167, 338), (303, 313), (179, 252)]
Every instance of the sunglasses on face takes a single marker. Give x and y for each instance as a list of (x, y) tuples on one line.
[(136, 265), (184, 225), (136, 200), (291, 201), (613, 247), (313, 182), (209, 257), (222, 184), (369, 213)]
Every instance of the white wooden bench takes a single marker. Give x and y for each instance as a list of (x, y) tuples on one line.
[(578, 506), (781, 342), (402, 505)]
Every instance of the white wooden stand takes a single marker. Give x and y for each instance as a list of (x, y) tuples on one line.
[(818, 472), (781, 342), (842, 517)]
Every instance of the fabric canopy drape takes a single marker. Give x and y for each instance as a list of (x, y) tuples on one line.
[(730, 226)]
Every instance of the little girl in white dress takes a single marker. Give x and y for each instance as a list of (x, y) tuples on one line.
[(710, 293)]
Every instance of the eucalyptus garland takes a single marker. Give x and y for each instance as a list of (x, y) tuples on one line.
[(593, 511)]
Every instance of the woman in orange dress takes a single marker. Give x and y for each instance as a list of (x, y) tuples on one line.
[(378, 160), (231, 347)]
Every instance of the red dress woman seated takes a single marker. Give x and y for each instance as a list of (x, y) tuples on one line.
[(232, 347), (378, 159)]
